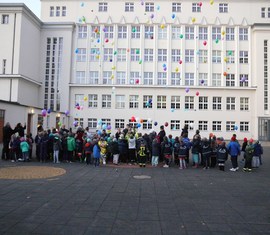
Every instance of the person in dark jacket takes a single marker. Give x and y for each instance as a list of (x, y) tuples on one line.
[(44, 146), (115, 151), (249, 152), (176, 145), (142, 152), (213, 145), (155, 152), (123, 149), (161, 134), (88, 150), (206, 152), (7, 133), (196, 150), (166, 151), (56, 148), (182, 154), (20, 129), (257, 155), (222, 156)]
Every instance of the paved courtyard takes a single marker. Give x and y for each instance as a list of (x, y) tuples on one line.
[(109, 200)]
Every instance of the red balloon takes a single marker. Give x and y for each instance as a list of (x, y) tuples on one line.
[(166, 124), (197, 93)]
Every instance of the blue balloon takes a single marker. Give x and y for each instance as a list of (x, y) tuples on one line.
[(139, 125), (155, 123)]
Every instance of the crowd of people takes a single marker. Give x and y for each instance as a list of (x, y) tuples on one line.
[(128, 146)]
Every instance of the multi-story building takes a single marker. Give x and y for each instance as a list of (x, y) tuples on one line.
[(108, 63)]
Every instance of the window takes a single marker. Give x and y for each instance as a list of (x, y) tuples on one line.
[(223, 7), (216, 79), (122, 32), (216, 125), (102, 6), (119, 101), (230, 80), (134, 54), (230, 126), (196, 7), (161, 102), (162, 55), (175, 102), (4, 66), (147, 101), (148, 78), (176, 55), (162, 78), (92, 101), (94, 54), (189, 32), (82, 31), (176, 7), (51, 11), (93, 77), (189, 102), (121, 55), (190, 124), (189, 79), (243, 81), (105, 121), (230, 57), (119, 123), (133, 101), (136, 32), (268, 12), (132, 123), (108, 32), (80, 77), (92, 123), (216, 33), (134, 78), (263, 12), (79, 121), (120, 78), (217, 104), (79, 99), (216, 56), (176, 32), (5, 19), (81, 55), (175, 79), (148, 55), (129, 7), (108, 54), (244, 103), (107, 77), (230, 34), (243, 57), (149, 32), (244, 126), (203, 125), (203, 56), (149, 7), (162, 32), (106, 101), (57, 12), (175, 125), (95, 32), (189, 56), (203, 33), (203, 79), (203, 102), (230, 103), (243, 34), (64, 10), (146, 124)]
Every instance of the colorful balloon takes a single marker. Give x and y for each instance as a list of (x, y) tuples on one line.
[(197, 93), (187, 90), (166, 124), (155, 123)]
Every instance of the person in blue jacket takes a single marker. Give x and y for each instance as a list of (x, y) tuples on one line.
[(234, 151)]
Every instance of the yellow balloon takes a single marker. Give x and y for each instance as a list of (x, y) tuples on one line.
[(193, 20), (226, 59), (212, 2), (176, 69), (113, 67), (162, 26), (223, 32), (85, 98), (112, 77), (97, 56)]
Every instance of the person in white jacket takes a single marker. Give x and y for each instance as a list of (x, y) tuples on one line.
[(131, 149)]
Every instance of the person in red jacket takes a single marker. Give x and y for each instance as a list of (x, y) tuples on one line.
[(88, 149)]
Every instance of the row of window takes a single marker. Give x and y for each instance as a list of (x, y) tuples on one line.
[(177, 32), (4, 19), (161, 102), (174, 125), (162, 79), (148, 55), (265, 14), (58, 11)]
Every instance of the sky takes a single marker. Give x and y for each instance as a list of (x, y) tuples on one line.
[(33, 5)]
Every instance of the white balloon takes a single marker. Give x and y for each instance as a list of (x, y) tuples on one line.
[(191, 125), (137, 119)]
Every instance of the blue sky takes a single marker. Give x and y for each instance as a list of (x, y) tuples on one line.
[(33, 5)]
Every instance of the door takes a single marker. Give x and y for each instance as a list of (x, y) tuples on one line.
[(29, 123)]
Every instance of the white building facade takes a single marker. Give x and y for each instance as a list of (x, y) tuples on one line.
[(169, 63)]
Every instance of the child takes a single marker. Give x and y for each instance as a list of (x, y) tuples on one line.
[(222, 155), (234, 150), (206, 153), (71, 146), (195, 150), (182, 154), (115, 151), (142, 153), (166, 151), (132, 149), (12, 148), (25, 149), (155, 152), (258, 151), (248, 156), (96, 152), (56, 148), (103, 146), (88, 149), (176, 145)]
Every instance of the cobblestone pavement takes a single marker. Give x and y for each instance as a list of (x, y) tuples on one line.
[(110, 200)]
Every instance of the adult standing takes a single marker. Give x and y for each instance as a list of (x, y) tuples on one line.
[(234, 150), (7, 133), (20, 129)]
